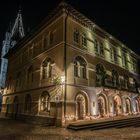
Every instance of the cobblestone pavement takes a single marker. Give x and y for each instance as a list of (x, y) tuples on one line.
[(17, 130)]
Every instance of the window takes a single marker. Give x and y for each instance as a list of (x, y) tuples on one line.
[(115, 78), (76, 36), (45, 102), (115, 55), (77, 68), (124, 61), (134, 65), (44, 42), (18, 79), (100, 74), (28, 102), (9, 83), (51, 37), (30, 74), (101, 48), (47, 68), (80, 69), (96, 46), (84, 40), (111, 54), (126, 81)]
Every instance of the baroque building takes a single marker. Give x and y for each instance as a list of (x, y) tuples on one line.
[(69, 69)]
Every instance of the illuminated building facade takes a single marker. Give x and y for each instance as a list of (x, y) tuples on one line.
[(70, 69)]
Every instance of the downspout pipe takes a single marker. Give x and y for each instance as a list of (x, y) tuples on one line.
[(65, 64)]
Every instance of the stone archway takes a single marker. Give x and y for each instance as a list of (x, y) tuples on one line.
[(81, 106), (102, 105), (117, 105), (128, 106)]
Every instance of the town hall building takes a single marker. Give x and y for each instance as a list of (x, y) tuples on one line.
[(70, 69)]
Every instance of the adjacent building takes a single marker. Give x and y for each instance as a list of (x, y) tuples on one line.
[(70, 69)]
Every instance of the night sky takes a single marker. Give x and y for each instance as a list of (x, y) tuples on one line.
[(117, 18)]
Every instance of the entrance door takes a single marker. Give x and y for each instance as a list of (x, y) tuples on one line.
[(128, 106), (137, 106), (81, 107), (102, 106), (117, 105)]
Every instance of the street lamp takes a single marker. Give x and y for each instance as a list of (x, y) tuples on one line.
[(62, 79)]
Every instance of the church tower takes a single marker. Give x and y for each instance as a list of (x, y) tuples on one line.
[(11, 38)]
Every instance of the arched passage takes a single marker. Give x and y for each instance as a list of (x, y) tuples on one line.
[(102, 105), (117, 105), (128, 106), (15, 107), (81, 106), (137, 105)]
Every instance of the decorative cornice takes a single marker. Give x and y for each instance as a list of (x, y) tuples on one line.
[(63, 7)]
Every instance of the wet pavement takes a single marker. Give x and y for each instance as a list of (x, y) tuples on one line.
[(17, 130)]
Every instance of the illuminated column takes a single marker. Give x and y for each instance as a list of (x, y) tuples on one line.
[(93, 103), (124, 104), (111, 106), (133, 104)]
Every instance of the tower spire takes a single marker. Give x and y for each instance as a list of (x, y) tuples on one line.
[(13, 35), (17, 31)]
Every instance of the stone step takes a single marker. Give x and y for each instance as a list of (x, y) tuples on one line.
[(105, 124)]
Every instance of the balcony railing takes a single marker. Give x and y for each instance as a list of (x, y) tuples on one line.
[(121, 86)]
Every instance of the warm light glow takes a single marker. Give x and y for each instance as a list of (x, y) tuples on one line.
[(62, 79)]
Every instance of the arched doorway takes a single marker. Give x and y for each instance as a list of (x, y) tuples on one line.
[(137, 105), (102, 106), (81, 106), (128, 106), (7, 106), (15, 107), (117, 105)]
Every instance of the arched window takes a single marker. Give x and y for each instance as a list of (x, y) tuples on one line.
[(126, 81), (100, 74), (45, 101), (15, 105), (51, 37), (96, 46), (28, 102), (80, 67), (30, 74), (18, 79), (84, 40), (115, 78), (47, 68)]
